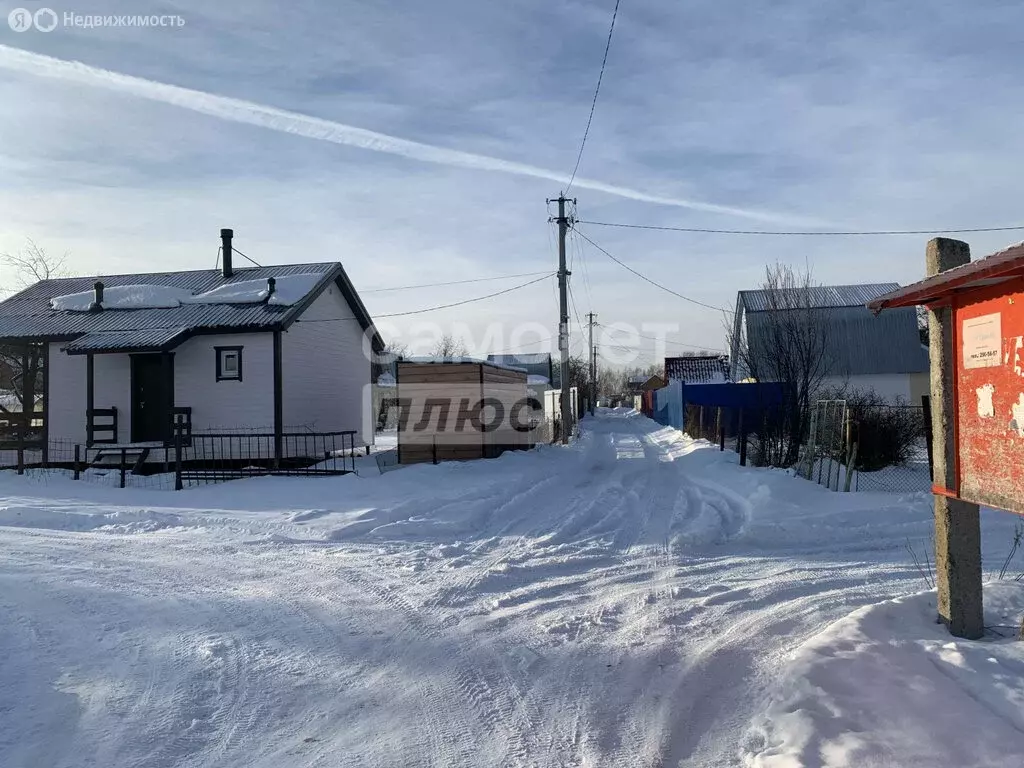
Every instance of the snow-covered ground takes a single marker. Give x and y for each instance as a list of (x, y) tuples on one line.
[(636, 599)]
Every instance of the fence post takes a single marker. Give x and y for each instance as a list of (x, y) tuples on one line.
[(850, 470), (700, 422), (743, 440), (958, 575), (926, 412), (77, 469), (721, 431), (123, 460), (434, 450), (177, 457), (812, 438), (21, 457)]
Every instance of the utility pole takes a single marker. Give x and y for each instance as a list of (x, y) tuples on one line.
[(563, 317), (593, 364)]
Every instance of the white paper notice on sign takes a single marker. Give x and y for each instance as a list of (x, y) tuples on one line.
[(983, 341)]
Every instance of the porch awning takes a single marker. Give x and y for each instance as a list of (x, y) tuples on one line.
[(146, 340), (997, 268)]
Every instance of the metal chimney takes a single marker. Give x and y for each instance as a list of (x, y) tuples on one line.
[(225, 239), (97, 302)]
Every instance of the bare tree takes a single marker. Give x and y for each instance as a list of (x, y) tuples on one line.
[(448, 347), (32, 264), (21, 365), (788, 343)]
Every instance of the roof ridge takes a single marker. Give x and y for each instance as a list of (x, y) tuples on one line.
[(237, 271)]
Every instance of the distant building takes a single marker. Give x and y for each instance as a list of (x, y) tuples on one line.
[(535, 365), (881, 353), (698, 369), (640, 384)]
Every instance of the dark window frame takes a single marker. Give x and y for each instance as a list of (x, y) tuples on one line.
[(219, 354)]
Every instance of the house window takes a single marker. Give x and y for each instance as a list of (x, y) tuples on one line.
[(229, 363)]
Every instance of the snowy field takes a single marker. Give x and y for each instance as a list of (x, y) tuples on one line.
[(636, 599)]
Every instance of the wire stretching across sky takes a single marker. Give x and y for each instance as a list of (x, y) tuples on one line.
[(467, 301), (819, 233), (597, 90), (652, 282), (701, 347), (456, 282), (250, 113)]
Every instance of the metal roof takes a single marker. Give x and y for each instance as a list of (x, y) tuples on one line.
[(702, 369), (148, 340), (996, 268), (537, 363), (27, 315), (858, 343), (819, 296)]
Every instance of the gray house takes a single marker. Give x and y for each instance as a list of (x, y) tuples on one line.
[(270, 349), (882, 353)]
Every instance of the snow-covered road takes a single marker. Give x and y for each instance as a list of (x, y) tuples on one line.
[(628, 601)]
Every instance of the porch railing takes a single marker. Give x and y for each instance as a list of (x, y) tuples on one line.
[(101, 432)]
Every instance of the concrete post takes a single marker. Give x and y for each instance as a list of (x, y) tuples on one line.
[(957, 523)]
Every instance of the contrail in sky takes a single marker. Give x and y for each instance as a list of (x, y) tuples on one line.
[(250, 113)]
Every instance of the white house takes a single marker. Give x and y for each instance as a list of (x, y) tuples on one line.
[(278, 350), (882, 353)]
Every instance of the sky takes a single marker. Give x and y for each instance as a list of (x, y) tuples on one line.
[(418, 142)]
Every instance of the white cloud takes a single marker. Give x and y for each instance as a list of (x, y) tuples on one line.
[(250, 113)]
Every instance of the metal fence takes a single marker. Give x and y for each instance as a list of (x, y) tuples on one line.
[(847, 445), (195, 459), (855, 445)]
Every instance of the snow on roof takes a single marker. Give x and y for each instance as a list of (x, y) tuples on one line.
[(386, 379), (702, 369), (538, 381), (139, 296), (288, 290), (457, 359)]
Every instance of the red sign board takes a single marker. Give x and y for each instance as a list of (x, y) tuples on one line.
[(988, 341)]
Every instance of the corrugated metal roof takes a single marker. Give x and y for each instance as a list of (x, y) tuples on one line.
[(537, 364), (859, 343), (995, 268), (28, 314), (148, 340), (821, 296), (704, 369)]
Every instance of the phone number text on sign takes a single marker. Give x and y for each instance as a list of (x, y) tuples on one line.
[(983, 341)]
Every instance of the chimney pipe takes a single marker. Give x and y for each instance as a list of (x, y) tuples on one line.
[(97, 302), (271, 286), (225, 238)]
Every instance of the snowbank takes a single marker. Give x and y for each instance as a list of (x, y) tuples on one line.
[(887, 686), (288, 290), (124, 297)]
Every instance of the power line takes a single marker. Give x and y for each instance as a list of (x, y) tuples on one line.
[(652, 282), (666, 341), (578, 245), (454, 282), (513, 350), (572, 300), (597, 90), (864, 233), (468, 301)]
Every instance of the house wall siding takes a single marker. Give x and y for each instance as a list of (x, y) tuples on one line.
[(326, 371), (226, 405), (67, 396), (888, 385)]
